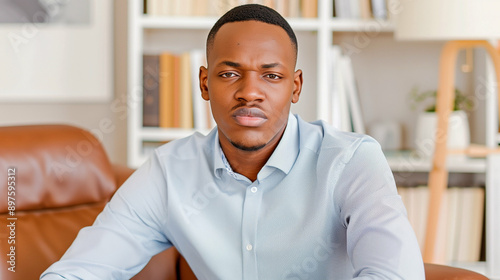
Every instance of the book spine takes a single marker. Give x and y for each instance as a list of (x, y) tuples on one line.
[(352, 95), (176, 96), (150, 103), (365, 9), (186, 100), (379, 9), (294, 8), (342, 9), (166, 96), (309, 8)]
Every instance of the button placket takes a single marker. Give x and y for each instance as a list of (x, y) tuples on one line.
[(251, 208)]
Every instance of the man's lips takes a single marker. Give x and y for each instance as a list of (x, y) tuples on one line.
[(251, 117)]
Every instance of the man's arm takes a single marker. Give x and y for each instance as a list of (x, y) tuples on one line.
[(380, 241), (124, 236)]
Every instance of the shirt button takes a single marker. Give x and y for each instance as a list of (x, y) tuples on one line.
[(249, 247), (253, 189)]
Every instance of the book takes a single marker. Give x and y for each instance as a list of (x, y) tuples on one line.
[(354, 9), (477, 213), (459, 234), (200, 8), (443, 230), (470, 224), (176, 94), (452, 224), (420, 206), (379, 9), (342, 9), (365, 9), (153, 7), (354, 107), (166, 7), (339, 114), (294, 8), (185, 7), (150, 90), (185, 91), (166, 89), (309, 8), (282, 7)]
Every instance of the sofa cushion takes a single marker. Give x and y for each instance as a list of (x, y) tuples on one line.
[(41, 238), (55, 166)]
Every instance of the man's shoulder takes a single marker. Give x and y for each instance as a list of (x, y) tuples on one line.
[(324, 136), (188, 147)]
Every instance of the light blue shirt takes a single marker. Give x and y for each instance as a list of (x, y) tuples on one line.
[(324, 206)]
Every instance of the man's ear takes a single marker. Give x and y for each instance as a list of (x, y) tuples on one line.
[(297, 86), (204, 83)]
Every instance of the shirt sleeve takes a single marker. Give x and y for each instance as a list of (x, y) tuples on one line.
[(381, 243), (125, 235)]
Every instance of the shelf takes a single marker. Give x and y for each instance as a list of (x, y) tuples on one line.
[(408, 161), (355, 25), (159, 22)]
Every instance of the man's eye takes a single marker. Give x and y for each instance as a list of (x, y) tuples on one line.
[(228, 75), (273, 76)]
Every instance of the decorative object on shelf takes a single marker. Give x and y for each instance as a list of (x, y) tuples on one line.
[(458, 123), (428, 99), (425, 132), (56, 51), (465, 24)]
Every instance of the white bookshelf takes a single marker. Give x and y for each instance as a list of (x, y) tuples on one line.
[(150, 34), (409, 161)]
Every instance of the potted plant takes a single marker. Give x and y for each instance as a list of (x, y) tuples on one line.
[(458, 124)]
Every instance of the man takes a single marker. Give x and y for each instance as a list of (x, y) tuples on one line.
[(265, 195)]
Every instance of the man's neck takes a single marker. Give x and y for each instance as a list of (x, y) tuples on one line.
[(248, 163)]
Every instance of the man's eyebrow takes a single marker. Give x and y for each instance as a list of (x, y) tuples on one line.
[(236, 64), (230, 63), (270, 65)]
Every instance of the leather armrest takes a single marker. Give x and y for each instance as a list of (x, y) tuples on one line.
[(121, 173), (443, 272)]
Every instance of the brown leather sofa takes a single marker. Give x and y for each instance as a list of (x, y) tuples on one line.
[(60, 179)]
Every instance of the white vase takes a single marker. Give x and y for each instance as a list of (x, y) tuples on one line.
[(458, 132)]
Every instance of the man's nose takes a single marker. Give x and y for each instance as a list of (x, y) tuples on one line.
[(250, 88)]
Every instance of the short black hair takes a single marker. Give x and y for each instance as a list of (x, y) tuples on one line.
[(252, 12)]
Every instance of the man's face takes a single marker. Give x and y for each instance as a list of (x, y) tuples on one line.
[(251, 83)]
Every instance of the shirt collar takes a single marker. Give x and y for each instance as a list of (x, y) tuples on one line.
[(219, 165), (285, 154), (283, 157)]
